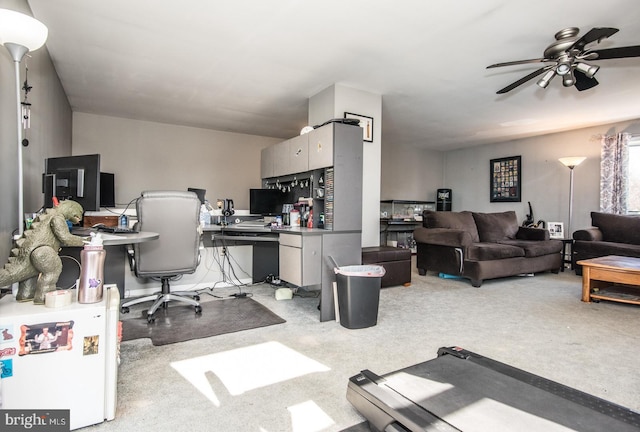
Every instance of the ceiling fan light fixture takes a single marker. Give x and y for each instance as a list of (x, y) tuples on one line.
[(568, 80), (563, 68), (546, 79), (588, 70)]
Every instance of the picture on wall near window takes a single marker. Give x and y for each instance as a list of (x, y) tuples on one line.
[(366, 123), (556, 230), (505, 178)]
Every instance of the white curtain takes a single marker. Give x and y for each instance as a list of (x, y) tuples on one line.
[(614, 177)]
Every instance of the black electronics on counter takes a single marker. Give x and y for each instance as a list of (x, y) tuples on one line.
[(443, 199)]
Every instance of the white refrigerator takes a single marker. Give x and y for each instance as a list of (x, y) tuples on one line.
[(61, 358)]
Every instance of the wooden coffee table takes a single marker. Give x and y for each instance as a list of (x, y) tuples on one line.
[(614, 278)]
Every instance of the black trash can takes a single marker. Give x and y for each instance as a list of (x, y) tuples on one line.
[(358, 291)]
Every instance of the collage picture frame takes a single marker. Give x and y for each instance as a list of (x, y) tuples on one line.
[(505, 179)]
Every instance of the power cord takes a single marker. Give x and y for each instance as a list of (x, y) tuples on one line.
[(228, 277)]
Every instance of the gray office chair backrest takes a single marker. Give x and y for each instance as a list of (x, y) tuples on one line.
[(175, 216)]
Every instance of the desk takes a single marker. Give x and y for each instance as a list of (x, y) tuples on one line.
[(343, 246), (114, 264), (264, 242)]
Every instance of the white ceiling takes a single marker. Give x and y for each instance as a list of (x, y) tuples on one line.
[(249, 66)]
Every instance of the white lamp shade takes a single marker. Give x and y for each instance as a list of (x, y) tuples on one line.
[(572, 161), (21, 29)]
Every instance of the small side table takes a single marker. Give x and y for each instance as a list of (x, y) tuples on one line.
[(567, 243)]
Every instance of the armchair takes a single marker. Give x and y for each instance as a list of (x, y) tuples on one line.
[(175, 216)]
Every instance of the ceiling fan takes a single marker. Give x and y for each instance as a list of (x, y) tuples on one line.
[(568, 54)]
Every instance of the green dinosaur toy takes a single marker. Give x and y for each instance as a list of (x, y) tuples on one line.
[(34, 262)]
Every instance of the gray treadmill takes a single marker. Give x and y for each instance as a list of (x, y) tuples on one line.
[(463, 391)]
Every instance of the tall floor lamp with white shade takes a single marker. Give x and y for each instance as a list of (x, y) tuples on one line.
[(20, 33), (571, 163)]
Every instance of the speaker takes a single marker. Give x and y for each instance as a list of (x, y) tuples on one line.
[(443, 199)]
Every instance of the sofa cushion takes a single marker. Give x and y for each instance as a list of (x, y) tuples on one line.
[(592, 249), (443, 236), (617, 228), (455, 220), (534, 248), (529, 233), (493, 227), (493, 251), (588, 234)]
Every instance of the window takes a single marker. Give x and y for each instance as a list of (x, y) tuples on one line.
[(633, 199)]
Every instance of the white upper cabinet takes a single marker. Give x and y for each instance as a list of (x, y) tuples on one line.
[(321, 147)]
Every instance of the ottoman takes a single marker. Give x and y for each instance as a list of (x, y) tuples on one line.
[(396, 263)]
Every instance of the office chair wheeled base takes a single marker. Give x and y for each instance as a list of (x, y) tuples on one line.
[(162, 298)]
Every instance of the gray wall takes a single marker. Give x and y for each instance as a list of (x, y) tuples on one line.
[(545, 181), (50, 133), (146, 155), (408, 173)]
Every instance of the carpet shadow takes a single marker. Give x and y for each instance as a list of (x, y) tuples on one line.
[(179, 323)]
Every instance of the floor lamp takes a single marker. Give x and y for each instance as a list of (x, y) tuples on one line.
[(20, 33), (571, 163)]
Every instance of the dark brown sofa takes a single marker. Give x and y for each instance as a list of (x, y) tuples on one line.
[(481, 246), (610, 235)]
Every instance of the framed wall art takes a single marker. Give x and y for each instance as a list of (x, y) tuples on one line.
[(505, 177), (366, 123), (556, 230)]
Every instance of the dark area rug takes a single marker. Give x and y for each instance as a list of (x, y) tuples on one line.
[(180, 323)]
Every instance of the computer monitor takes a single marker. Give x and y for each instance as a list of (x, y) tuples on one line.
[(73, 177), (107, 190), (267, 202), (200, 192)]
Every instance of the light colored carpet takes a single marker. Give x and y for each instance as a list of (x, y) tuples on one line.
[(293, 376)]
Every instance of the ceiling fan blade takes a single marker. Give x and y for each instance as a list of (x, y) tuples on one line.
[(518, 62), (583, 82), (614, 53), (595, 34), (524, 79)]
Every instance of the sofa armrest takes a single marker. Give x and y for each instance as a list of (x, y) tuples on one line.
[(529, 233), (442, 237), (588, 234)]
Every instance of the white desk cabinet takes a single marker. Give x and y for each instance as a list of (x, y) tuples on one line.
[(301, 259)]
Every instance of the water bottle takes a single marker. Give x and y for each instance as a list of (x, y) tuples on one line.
[(91, 283), (205, 216), (123, 221)]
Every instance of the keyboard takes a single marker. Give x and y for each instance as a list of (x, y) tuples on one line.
[(116, 230), (252, 224)]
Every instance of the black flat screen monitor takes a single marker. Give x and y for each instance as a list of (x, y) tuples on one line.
[(267, 202), (107, 190), (73, 177)]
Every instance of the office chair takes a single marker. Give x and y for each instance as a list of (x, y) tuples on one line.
[(175, 216)]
